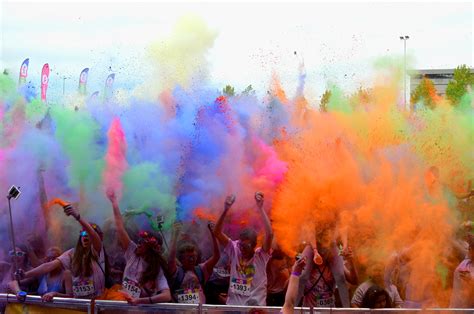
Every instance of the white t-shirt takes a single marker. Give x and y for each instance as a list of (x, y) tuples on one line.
[(86, 287), (131, 276), (248, 280)]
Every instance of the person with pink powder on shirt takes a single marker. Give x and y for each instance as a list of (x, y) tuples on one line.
[(248, 278)]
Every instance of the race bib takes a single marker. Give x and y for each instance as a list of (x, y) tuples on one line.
[(240, 286), (326, 302), (131, 287), (83, 288), (222, 272), (189, 296)]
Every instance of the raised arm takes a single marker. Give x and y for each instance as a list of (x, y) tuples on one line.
[(216, 254), (293, 286), (95, 238), (350, 271), (123, 237), (172, 254), (223, 239), (267, 242)]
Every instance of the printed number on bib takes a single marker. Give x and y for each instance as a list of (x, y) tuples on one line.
[(83, 288), (326, 302), (131, 287), (240, 286), (189, 296)]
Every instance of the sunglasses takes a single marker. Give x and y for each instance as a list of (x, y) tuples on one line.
[(17, 253), (84, 234)]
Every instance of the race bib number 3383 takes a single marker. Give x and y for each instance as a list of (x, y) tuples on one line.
[(240, 286)]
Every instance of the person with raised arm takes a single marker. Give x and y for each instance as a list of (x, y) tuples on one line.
[(189, 278), (85, 262), (248, 278), (293, 286), (144, 279)]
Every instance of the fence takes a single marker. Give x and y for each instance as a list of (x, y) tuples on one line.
[(34, 304)]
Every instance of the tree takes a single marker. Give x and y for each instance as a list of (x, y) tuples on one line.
[(325, 100), (228, 91), (248, 90), (457, 87), (426, 92)]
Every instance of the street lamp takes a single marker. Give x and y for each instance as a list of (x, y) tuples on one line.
[(405, 38), (64, 82)]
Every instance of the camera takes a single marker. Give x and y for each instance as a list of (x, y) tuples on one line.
[(14, 192), (160, 219)]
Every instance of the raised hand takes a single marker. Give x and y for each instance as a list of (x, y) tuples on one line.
[(69, 210), (229, 200), (299, 266), (211, 226), (111, 195), (259, 199)]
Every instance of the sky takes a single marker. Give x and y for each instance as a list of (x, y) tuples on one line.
[(339, 42)]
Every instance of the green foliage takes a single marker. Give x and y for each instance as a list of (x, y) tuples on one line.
[(325, 100), (248, 90), (457, 87), (425, 92), (229, 91)]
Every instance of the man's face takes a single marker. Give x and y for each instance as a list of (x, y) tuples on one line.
[(246, 247)]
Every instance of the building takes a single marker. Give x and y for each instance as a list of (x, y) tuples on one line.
[(440, 78)]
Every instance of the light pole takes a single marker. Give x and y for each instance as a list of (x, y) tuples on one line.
[(64, 82), (404, 38)]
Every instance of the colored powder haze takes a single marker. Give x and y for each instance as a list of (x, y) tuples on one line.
[(179, 149)]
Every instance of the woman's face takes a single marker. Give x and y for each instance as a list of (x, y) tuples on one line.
[(85, 240), (18, 256), (189, 259)]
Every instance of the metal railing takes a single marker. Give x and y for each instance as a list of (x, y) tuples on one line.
[(105, 306), (66, 303)]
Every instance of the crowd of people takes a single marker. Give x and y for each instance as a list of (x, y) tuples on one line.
[(236, 272)]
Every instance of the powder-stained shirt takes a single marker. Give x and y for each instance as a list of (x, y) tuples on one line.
[(319, 289), (362, 289), (134, 268), (463, 285), (91, 286), (248, 279), (190, 289)]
